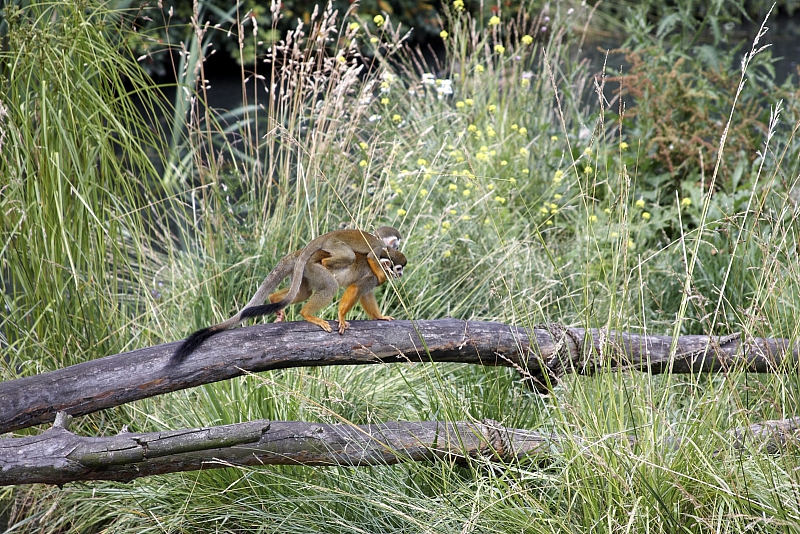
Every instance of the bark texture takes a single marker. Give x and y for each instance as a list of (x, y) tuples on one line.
[(541, 355)]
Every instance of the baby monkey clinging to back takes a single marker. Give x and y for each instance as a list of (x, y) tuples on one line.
[(324, 264)]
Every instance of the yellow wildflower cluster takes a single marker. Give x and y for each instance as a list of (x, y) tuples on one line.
[(458, 5), (378, 20), (494, 21)]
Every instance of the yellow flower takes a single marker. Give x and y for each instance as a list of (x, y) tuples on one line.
[(492, 108), (503, 164), (469, 101), (384, 101), (631, 244), (443, 34), (362, 163), (686, 202), (447, 253), (614, 234), (396, 118), (527, 39), (452, 187), (445, 225), (401, 212), (459, 5), (453, 212), (557, 196), (499, 48), (484, 148), (481, 156), (554, 138), (548, 222), (544, 210), (422, 161), (459, 104), (493, 153), (513, 180), (490, 132), (494, 21), (523, 131), (491, 186), (363, 145), (378, 20), (514, 126), (479, 69), (487, 221), (373, 40), (640, 203), (623, 146), (472, 128), (646, 215), (466, 192), (607, 211), (592, 218), (588, 151), (553, 206), (423, 192), (523, 151), (525, 82), (500, 200), (341, 59), (525, 171), (588, 169), (353, 25)]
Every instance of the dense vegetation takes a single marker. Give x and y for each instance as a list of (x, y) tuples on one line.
[(532, 188)]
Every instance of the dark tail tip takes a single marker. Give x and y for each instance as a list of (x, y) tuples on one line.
[(258, 311), (190, 344)]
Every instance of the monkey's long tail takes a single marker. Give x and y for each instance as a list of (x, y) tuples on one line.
[(195, 339)]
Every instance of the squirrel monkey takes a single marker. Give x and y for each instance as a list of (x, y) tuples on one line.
[(360, 278), (338, 249)]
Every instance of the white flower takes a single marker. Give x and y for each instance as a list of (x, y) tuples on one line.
[(428, 79), (374, 118), (445, 88)]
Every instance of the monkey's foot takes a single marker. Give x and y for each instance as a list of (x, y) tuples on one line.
[(280, 316), (343, 325), (322, 323), (385, 318)]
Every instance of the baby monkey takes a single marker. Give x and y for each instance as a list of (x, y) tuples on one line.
[(338, 251)]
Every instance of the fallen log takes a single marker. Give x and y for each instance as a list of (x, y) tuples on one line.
[(57, 456), (542, 355)]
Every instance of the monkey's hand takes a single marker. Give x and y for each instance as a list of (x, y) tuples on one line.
[(343, 325)]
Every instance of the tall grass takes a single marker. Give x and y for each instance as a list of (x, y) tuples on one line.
[(525, 198)]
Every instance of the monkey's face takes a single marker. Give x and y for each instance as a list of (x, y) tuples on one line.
[(392, 270), (392, 242)]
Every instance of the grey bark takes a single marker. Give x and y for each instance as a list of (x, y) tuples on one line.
[(542, 355), (58, 456)]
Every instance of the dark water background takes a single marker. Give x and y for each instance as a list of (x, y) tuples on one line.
[(226, 93)]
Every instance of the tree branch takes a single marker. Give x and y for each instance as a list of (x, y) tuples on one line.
[(542, 355), (58, 456)]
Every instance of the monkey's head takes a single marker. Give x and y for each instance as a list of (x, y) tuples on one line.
[(393, 263), (390, 237)]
